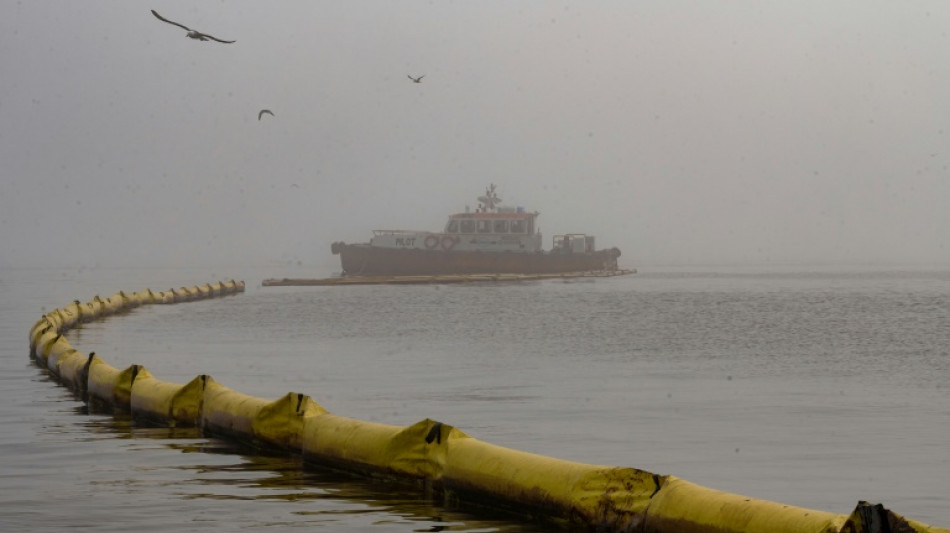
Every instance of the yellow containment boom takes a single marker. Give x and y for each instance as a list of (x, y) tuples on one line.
[(439, 457)]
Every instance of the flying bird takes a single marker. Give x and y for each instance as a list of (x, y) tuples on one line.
[(416, 80), (192, 34), (265, 112)]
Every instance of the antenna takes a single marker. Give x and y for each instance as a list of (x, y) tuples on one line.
[(489, 202)]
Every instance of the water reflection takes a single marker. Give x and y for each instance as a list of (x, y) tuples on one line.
[(279, 489)]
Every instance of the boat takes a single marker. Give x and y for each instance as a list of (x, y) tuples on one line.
[(494, 239)]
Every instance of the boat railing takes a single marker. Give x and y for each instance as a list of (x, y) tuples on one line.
[(397, 232)]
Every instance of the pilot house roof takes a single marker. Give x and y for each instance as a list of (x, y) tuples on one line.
[(505, 215)]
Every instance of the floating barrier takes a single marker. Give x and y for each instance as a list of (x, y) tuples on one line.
[(442, 459)]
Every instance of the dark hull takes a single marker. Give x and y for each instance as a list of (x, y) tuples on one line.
[(363, 259)]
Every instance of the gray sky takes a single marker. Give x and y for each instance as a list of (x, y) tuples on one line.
[(685, 133)]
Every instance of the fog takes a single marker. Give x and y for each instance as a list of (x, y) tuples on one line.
[(684, 133)]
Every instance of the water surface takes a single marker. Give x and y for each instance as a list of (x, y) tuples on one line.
[(811, 387)]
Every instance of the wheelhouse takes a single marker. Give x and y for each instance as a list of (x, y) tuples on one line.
[(504, 222)]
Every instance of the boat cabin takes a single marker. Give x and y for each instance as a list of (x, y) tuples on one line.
[(506, 221), (490, 228)]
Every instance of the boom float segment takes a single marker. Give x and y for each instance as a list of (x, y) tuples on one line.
[(167, 403), (441, 457), (109, 386), (674, 509), (605, 498), (380, 450), (71, 370), (254, 420)]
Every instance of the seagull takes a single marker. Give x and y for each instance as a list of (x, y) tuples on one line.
[(263, 112), (416, 80), (192, 34)]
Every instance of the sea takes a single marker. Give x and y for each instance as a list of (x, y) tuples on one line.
[(812, 386)]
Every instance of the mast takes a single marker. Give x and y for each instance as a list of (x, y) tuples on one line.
[(489, 202)]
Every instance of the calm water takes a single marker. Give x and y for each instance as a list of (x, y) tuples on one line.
[(812, 387)]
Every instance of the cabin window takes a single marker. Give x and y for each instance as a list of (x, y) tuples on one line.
[(501, 226), (484, 226), (468, 225), (452, 226), (517, 226)]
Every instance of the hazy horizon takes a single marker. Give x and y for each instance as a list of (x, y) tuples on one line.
[(684, 133)]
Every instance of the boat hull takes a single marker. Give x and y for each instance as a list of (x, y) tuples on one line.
[(364, 259)]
